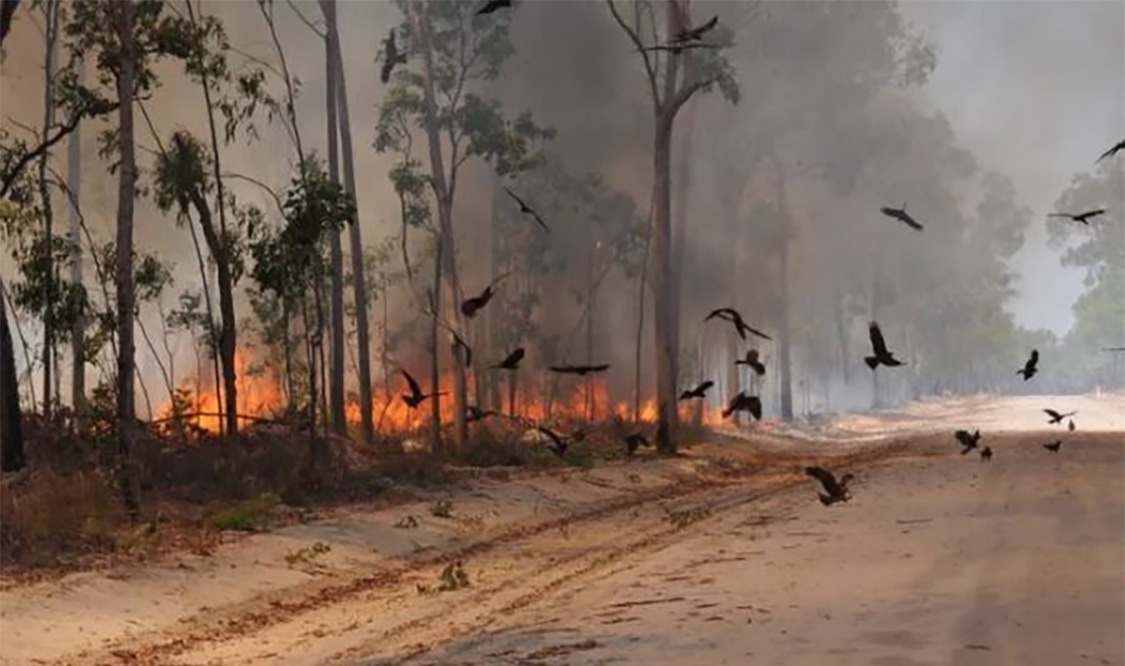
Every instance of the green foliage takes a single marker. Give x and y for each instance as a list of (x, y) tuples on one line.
[(248, 515)]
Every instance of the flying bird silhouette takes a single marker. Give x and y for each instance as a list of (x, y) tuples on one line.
[(744, 403), (1031, 367), (634, 442), (580, 370), (695, 34), (986, 454), (968, 441), (1053, 447), (474, 413), (391, 57), (462, 349), (557, 445), (881, 356), (470, 306), (731, 315), (527, 210), (493, 5), (834, 491), (416, 396), (752, 361), (511, 361), (699, 391), (901, 215), (1118, 147), (1083, 217), (1057, 417)]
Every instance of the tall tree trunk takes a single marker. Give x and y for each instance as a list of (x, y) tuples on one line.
[(336, 377), (222, 255), (444, 196), (667, 423), (51, 10), (785, 367), (359, 279), (435, 353), (11, 433), (78, 330), (679, 220), (641, 289), (127, 170)]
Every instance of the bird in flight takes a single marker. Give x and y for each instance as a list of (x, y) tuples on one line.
[(695, 34), (1054, 446), (1083, 217), (462, 349), (744, 403), (470, 306), (391, 57), (1113, 349), (527, 210), (580, 370), (879, 349), (1117, 147), (557, 445), (493, 5), (967, 440), (752, 361), (474, 413), (1057, 417), (511, 361), (834, 491), (1031, 367), (731, 315), (416, 396), (634, 442), (986, 454), (699, 391), (901, 215)]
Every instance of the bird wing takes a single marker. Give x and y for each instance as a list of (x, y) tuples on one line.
[(755, 331), (540, 221), (721, 313), (1034, 357), (964, 437), (706, 26), (464, 345), (877, 342), (704, 386), (754, 404), (414, 387), (516, 198), (1112, 151), (1053, 414), (910, 221), (826, 479)]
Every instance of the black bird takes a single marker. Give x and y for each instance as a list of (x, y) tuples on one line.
[(634, 442), (1053, 447), (416, 396), (474, 413), (511, 361), (986, 454), (879, 349), (1083, 217), (837, 491), (1118, 147), (459, 344), (744, 403), (731, 315), (1056, 417), (1031, 367), (527, 210), (752, 361), (699, 391), (1070, 425), (901, 215), (580, 370), (391, 57), (470, 306), (1113, 349), (493, 5), (695, 34), (969, 441), (557, 445)]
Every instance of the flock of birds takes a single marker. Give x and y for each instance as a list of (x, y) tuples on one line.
[(835, 490)]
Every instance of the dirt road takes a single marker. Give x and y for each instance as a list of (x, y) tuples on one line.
[(723, 556)]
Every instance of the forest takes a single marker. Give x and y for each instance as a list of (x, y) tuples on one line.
[(225, 278)]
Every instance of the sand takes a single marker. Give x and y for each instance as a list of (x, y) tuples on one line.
[(938, 559)]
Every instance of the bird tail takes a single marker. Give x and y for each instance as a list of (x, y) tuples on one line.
[(871, 361), (727, 413)]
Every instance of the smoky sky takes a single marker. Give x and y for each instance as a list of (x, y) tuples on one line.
[(1035, 90)]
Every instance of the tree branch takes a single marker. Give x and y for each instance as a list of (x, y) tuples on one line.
[(64, 130), (687, 91), (649, 71)]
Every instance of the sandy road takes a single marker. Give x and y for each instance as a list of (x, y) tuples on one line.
[(939, 559)]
